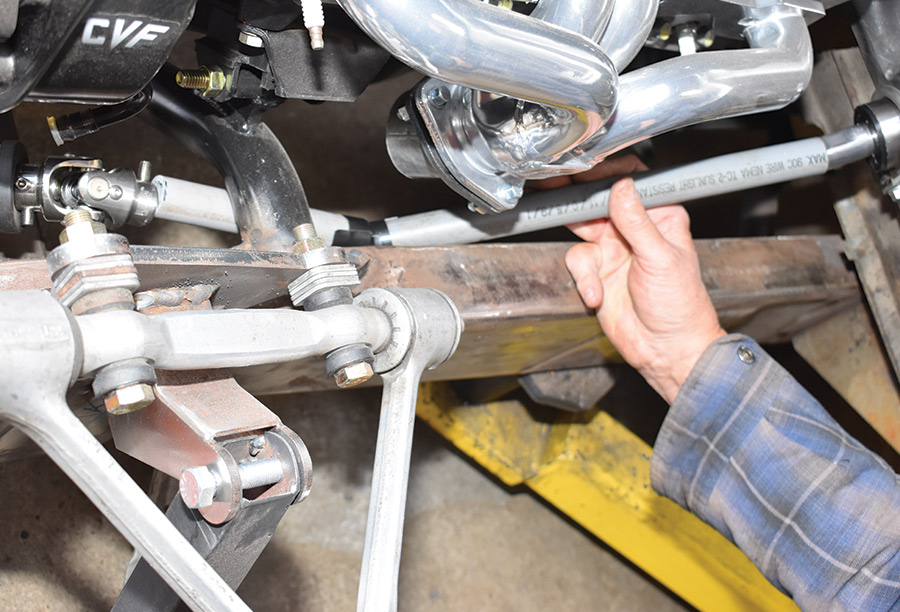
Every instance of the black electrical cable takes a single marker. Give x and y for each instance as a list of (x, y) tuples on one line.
[(71, 127)]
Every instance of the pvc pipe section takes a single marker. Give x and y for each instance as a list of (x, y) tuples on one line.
[(583, 202)]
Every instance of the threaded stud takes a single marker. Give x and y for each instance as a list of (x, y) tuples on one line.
[(305, 231), (79, 215), (193, 79), (144, 171)]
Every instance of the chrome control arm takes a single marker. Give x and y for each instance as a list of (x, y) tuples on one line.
[(42, 357)]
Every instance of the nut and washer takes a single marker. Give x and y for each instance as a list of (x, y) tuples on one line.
[(129, 398), (353, 374), (80, 225)]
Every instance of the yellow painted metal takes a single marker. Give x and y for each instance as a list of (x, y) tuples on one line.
[(597, 472)]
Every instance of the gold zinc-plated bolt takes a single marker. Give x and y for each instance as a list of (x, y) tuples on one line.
[(129, 398), (208, 81), (665, 32), (307, 239), (80, 224), (353, 374)]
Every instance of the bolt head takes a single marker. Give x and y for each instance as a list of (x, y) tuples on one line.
[(217, 83), (665, 32), (197, 486), (439, 96), (250, 39), (353, 374), (130, 398)]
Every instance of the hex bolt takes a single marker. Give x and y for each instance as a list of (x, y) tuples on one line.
[(198, 485), (353, 374), (250, 39), (307, 239), (79, 225), (192, 79), (129, 398), (439, 96), (209, 81), (144, 171), (665, 32)]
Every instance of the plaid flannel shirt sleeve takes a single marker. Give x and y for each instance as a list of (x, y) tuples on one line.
[(750, 452)]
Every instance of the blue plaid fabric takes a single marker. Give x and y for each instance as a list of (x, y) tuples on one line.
[(749, 451)]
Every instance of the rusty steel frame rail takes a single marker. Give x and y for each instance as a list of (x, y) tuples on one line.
[(520, 307)]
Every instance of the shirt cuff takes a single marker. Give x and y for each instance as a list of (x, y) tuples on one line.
[(708, 420)]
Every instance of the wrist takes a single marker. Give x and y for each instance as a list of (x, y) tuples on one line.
[(668, 374)]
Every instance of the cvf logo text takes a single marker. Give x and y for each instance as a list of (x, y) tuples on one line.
[(102, 31)]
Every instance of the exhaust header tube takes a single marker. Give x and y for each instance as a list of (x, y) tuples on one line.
[(712, 85), (495, 50), (473, 50)]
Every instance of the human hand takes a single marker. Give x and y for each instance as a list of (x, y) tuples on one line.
[(640, 271)]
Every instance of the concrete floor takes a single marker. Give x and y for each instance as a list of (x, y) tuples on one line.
[(469, 543)]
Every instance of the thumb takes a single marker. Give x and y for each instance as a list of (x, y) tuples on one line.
[(629, 216), (584, 261)]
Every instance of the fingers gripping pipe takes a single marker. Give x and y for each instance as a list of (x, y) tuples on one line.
[(427, 328), (41, 357)]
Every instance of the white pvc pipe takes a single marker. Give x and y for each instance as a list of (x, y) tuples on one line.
[(207, 206), (586, 201)]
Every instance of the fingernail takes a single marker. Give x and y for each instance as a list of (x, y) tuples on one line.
[(628, 189)]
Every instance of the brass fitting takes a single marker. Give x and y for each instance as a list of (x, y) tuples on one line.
[(129, 398), (353, 374), (210, 82), (80, 224)]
